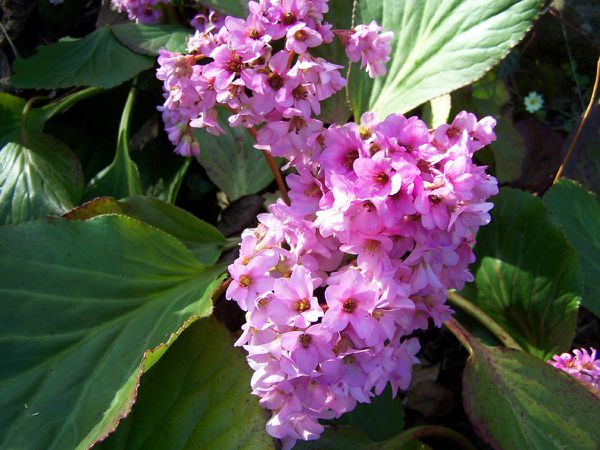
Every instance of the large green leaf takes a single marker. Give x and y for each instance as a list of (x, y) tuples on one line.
[(516, 401), (11, 116), (381, 419), (97, 59), (438, 46), (236, 8), (527, 277), (82, 304), (197, 396), (578, 212), (231, 162), (201, 238), (39, 176), (12, 120), (121, 178), (344, 437), (148, 39)]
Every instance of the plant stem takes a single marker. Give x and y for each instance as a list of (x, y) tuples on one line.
[(484, 319), (580, 127), (459, 333), (61, 104), (275, 169), (231, 243), (432, 431)]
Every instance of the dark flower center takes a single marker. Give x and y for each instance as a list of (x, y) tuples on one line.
[(245, 281), (435, 199), (302, 305), (351, 156), (349, 305), (301, 35), (305, 340), (234, 64), (276, 81), (300, 93), (453, 132), (289, 18), (253, 34), (368, 205), (382, 178)]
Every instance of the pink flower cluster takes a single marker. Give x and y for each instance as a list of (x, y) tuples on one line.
[(581, 365), (142, 11), (381, 223), (261, 69)]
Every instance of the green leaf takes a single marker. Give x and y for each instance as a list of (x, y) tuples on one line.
[(11, 116), (197, 396), (12, 120), (344, 437), (438, 46), (336, 109), (121, 178), (39, 176), (490, 97), (83, 302), (231, 162), (381, 419), (578, 212), (527, 277), (517, 401), (97, 59), (236, 8), (437, 110), (201, 238), (148, 39)]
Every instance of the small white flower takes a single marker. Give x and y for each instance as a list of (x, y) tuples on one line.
[(533, 102)]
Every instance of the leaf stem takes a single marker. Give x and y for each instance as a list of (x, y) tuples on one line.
[(580, 127), (432, 431), (59, 105), (484, 319), (231, 243), (275, 169), (459, 333)]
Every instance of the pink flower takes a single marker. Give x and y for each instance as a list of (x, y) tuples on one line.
[(376, 178), (300, 38), (351, 302), (581, 365), (372, 47), (306, 349), (295, 303), (251, 281)]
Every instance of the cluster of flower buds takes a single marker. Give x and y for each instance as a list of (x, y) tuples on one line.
[(581, 365), (381, 223), (207, 22), (142, 11), (261, 69)]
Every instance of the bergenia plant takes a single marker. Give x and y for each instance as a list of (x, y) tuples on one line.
[(318, 208)]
